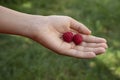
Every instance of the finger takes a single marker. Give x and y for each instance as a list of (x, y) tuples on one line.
[(89, 49), (79, 54), (94, 45), (79, 27), (93, 39)]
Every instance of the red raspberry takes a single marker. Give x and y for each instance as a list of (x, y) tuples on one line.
[(68, 36), (77, 39)]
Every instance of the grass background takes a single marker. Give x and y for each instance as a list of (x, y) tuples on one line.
[(24, 59)]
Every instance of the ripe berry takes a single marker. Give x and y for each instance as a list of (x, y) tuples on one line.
[(77, 39), (68, 36)]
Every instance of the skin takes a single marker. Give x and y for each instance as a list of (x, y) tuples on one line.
[(48, 30)]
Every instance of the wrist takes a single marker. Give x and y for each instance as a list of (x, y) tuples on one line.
[(34, 24)]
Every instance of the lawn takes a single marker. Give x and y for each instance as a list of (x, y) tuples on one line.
[(24, 59)]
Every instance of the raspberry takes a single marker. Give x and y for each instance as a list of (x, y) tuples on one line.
[(77, 39), (68, 36)]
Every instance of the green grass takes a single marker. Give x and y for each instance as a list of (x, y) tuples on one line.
[(24, 59)]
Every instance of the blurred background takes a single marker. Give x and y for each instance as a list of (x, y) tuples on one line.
[(24, 59)]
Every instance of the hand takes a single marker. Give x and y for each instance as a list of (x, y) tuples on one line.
[(48, 32)]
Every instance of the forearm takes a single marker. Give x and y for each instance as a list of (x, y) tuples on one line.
[(13, 22)]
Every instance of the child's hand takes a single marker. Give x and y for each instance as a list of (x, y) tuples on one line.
[(48, 30)]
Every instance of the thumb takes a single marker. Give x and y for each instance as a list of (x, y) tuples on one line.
[(79, 27)]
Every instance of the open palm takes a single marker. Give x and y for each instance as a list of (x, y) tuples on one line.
[(50, 32)]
